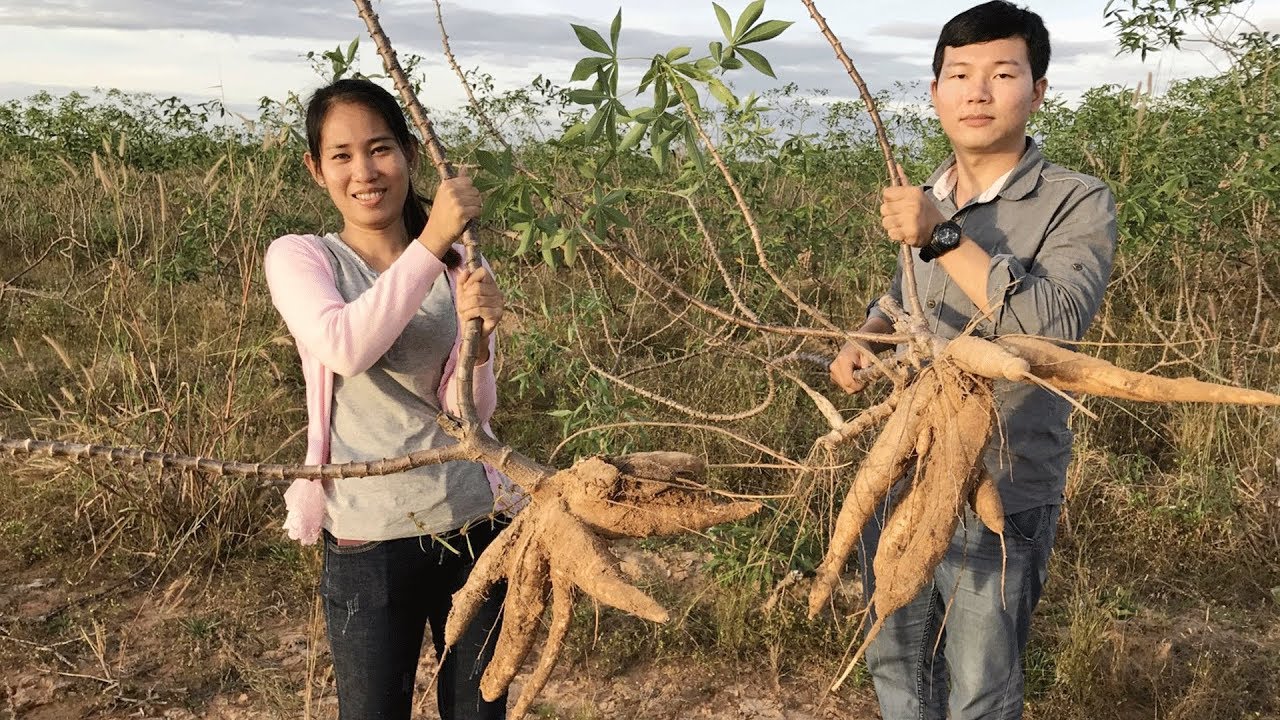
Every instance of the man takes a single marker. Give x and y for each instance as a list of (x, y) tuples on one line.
[(1005, 242)]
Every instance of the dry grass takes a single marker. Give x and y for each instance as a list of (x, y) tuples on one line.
[(142, 320)]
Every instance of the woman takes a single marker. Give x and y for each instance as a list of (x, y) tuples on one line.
[(376, 311)]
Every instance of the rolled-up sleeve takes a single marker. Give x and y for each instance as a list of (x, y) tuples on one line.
[(1062, 291)]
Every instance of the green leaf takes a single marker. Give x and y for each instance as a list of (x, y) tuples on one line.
[(632, 138), (660, 97), (691, 142), (676, 53), (690, 94), (694, 70), (648, 77), (757, 61), (616, 218), (526, 201), (596, 123), (611, 73), (351, 49), (722, 93), (586, 67), (767, 30), (591, 39), (614, 29), (659, 154), (555, 240), (644, 115), (526, 237), (731, 63), (717, 49), (488, 161), (725, 23), (573, 132), (587, 97), (549, 257), (570, 249), (614, 196), (748, 17)]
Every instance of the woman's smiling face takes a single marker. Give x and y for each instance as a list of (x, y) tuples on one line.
[(362, 166)]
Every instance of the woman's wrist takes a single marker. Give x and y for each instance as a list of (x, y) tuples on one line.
[(434, 243)]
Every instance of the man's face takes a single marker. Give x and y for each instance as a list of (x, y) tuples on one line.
[(985, 94)]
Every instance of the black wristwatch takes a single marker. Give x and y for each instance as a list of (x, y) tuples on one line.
[(945, 238)]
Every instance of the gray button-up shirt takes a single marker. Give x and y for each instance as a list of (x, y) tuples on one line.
[(1051, 234)]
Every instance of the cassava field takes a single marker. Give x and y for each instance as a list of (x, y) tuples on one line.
[(133, 312)]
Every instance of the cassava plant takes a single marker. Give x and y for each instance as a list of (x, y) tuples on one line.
[(939, 416), (736, 303)]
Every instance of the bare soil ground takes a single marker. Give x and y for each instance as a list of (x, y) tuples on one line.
[(210, 647), (240, 645)]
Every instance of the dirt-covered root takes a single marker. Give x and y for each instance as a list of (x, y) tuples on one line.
[(985, 358), (561, 614), (615, 502), (584, 559), (985, 500), (865, 420), (1075, 372), (919, 530), (521, 612), (883, 465), (660, 465), (490, 567), (986, 503), (556, 545)]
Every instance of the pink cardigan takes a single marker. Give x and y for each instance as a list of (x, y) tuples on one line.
[(334, 336)]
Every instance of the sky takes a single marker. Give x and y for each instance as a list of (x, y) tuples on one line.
[(241, 50)]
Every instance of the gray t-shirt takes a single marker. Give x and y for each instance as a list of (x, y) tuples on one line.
[(390, 410), (1051, 234)]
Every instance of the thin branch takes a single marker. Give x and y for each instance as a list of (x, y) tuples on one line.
[(477, 448), (466, 86), (691, 412), (435, 150), (664, 363), (908, 263), (715, 258), (747, 215), (793, 464), (784, 330), (866, 420)]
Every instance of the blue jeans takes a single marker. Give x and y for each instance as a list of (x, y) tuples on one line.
[(977, 671), (379, 598)]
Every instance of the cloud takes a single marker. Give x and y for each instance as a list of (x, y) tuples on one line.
[(475, 33), (927, 32), (17, 90), (1070, 50), (512, 46), (283, 18)]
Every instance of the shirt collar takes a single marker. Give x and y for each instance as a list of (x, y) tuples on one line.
[(1013, 185)]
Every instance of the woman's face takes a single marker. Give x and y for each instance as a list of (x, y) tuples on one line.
[(362, 166)]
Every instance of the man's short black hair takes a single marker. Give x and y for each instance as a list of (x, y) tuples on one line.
[(996, 20)]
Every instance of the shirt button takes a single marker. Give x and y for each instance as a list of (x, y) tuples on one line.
[(932, 304), (1077, 266)]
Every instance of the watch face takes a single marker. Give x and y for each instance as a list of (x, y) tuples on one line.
[(946, 235)]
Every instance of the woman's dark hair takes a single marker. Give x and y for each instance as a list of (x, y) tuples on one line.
[(996, 20), (366, 93)]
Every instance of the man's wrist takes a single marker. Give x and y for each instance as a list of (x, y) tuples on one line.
[(946, 236), (879, 326)]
